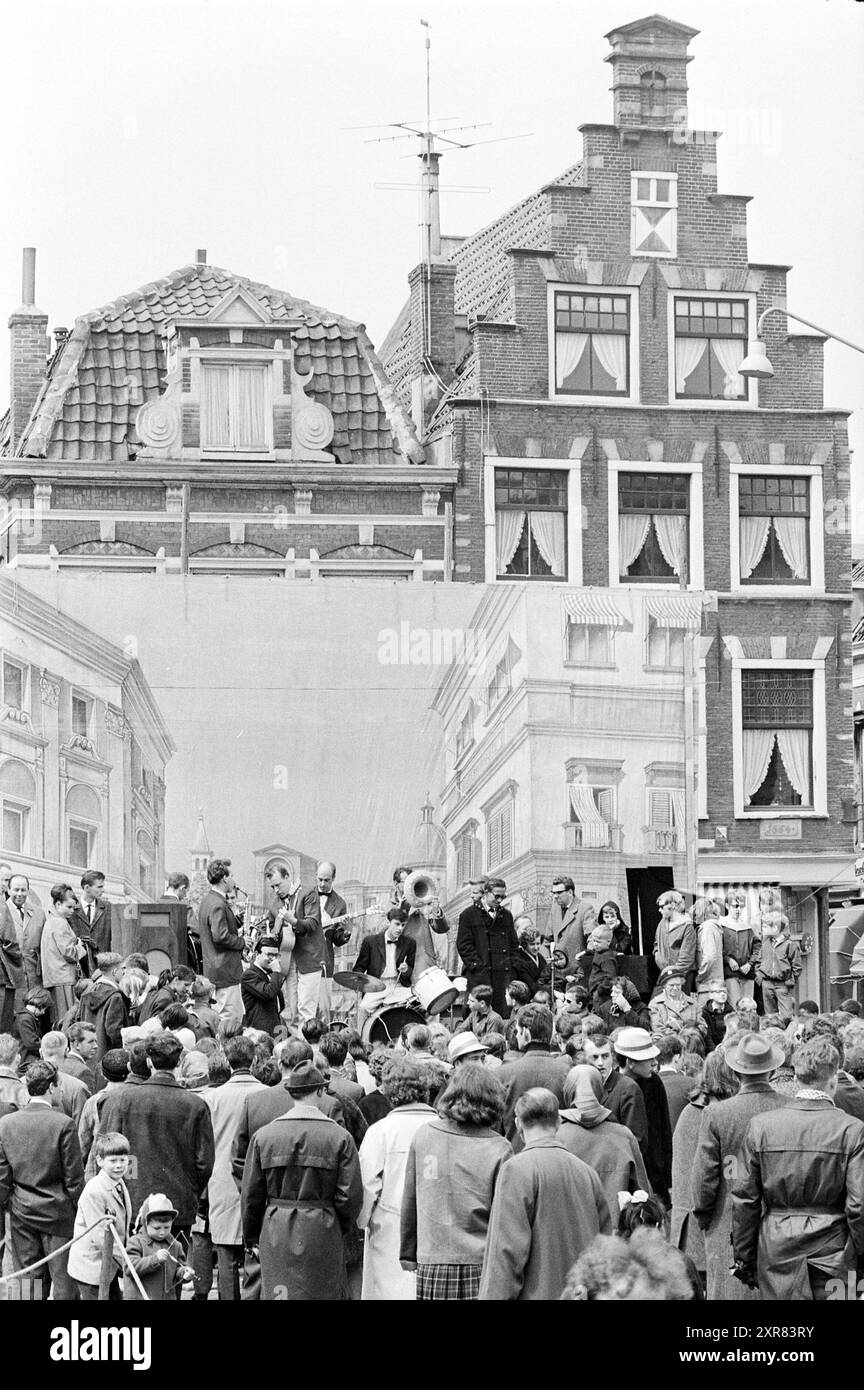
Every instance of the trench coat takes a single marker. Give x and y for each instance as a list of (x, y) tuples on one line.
[(800, 1203), (101, 1197), (716, 1163), (383, 1156), (301, 1194), (548, 1206), (227, 1104)]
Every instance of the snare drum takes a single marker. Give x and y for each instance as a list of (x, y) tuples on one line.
[(434, 990)]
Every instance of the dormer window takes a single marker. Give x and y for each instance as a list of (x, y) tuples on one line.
[(654, 214), (237, 407)]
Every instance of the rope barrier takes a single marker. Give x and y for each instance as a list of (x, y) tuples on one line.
[(28, 1269), (46, 1259)]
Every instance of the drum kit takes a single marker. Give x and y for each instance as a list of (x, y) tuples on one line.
[(431, 993)]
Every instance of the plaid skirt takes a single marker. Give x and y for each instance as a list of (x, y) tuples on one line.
[(439, 1283)]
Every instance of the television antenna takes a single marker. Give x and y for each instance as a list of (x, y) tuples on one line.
[(433, 134)]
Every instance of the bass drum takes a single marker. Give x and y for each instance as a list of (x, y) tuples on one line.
[(386, 1024)]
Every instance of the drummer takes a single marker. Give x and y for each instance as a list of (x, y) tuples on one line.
[(389, 956)]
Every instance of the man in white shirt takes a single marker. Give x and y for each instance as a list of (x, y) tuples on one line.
[(389, 956), (315, 942)]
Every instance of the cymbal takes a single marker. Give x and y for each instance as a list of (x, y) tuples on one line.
[(355, 979)]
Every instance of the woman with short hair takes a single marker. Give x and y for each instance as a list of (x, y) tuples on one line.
[(450, 1177), (383, 1155), (717, 1082)]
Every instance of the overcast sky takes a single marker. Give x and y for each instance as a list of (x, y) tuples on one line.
[(138, 132), (289, 726)]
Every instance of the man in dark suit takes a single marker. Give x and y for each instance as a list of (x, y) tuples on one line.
[(41, 1179), (538, 1065), (486, 941), (388, 955), (221, 941), (169, 1130), (12, 977), (91, 920), (261, 988), (316, 942)]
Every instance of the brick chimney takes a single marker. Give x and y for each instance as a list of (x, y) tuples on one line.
[(433, 320), (649, 73), (29, 356)]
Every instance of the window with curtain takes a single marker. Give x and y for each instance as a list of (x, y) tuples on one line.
[(593, 809), (531, 523), (590, 644), (236, 406), (777, 738), (499, 836), (13, 684), (710, 345), (653, 529), (774, 527), (653, 214), (592, 344)]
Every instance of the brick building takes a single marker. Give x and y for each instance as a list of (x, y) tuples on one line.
[(577, 361), (205, 423), (83, 752)]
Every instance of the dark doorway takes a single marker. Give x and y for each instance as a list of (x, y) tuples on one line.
[(644, 887)]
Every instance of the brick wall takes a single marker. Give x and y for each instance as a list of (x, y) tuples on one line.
[(28, 359)]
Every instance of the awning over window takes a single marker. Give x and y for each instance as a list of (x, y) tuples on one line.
[(594, 608), (675, 610)]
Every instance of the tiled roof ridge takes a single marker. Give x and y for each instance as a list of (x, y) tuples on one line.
[(194, 271), (563, 179)]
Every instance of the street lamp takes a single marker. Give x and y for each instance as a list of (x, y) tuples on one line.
[(756, 363)]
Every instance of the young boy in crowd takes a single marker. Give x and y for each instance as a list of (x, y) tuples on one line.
[(154, 1254), (779, 966), (599, 963), (95, 1259), (33, 1022)]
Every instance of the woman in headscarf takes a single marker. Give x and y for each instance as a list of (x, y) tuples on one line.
[(588, 1132)]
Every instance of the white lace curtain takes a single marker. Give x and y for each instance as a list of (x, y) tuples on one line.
[(730, 354), (758, 747), (688, 354), (794, 748), (547, 529), (569, 349), (248, 407), (754, 538), (611, 350), (792, 534), (671, 534), (632, 534), (215, 407), (595, 831), (509, 526)]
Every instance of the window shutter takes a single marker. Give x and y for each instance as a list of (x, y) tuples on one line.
[(506, 833), (493, 841), (660, 810), (605, 800)]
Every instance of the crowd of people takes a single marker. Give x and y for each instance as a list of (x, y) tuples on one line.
[(219, 1132)]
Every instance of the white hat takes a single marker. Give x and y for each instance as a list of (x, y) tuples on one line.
[(465, 1045), (636, 1043)]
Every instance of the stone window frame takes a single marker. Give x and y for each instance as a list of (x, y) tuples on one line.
[(670, 205), (817, 533), (696, 542), (568, 398), (818, 744), (573, 468), (748, 402)]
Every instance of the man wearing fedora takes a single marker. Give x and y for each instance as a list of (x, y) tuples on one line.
[(798, 1210), (718, 1160), (671, 1009), (466, 1047), (301, 1195), (635, 1052)]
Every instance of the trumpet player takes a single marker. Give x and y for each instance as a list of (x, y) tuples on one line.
[(421, 919)]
